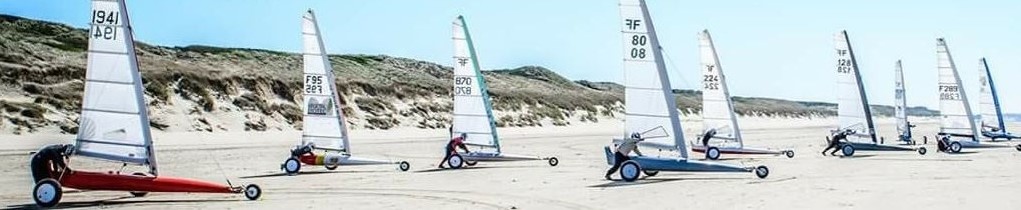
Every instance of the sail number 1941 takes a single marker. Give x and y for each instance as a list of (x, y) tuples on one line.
[(103, 23)]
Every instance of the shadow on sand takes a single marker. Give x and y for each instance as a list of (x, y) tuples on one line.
[(282, 174), (112, 202), (432, 170), (653, 180)]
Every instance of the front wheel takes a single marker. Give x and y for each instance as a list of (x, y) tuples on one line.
[(921, 150), (789, 153), (712, 153), (553, 161), (404, 166), (455, 161), (630, 170), (292, 166), (762, 172), (47, 193), (955, 147), (847, 150), (253, 192)]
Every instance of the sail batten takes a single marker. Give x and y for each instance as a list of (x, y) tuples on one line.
[(956, 114), (717, 107), (473, 113), (114, 124), (853, 112), (323, 121), (650, 106)]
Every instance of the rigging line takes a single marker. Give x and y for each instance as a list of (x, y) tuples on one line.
[(218, 167), (673, 66)]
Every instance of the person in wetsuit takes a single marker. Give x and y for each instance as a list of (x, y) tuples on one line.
[(835, 142), (452, 145), (707, 136), (48, 160)]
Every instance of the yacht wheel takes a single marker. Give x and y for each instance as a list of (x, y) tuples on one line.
[(253, 192), (404, 166), (553, 161), (630, 170), (712, 153), (955, 147), (847, 150), (455, 161), (47, 193), (762, 172), (291, 166)]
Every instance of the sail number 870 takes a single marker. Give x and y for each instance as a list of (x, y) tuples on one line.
[(462, 85), (638, 42)]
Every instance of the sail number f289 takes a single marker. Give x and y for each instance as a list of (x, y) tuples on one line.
[(462, 85), (103, 23), (949, 92)]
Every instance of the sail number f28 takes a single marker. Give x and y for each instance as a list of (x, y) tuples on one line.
[(462, 85), (104, 24)]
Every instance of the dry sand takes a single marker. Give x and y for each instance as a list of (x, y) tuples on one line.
[(977, 179)]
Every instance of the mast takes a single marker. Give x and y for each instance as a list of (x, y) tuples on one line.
[(717, 106), (324, 124), (957, 115), (853, 110), (473, 111)]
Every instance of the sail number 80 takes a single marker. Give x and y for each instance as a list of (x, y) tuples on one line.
[(638, 41)]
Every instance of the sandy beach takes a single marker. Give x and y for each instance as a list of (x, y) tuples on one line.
[(983, 179)]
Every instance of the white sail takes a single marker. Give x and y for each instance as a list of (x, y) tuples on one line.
[(852, 106), (717, 107), (473, 113), (324, 124), (650, 105), (988, 101), (114, 123), (901, 103), (953, 102)]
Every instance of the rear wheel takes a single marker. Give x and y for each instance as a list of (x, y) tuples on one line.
[(650, 173), (404, 166), (455, 161), (471, 163), (847, 150), (47, 193), (762, 172), (253, 192), (139, 193), (292, 166), (955, 147), (331, 167), (630, 170), (712, 153), (1018, 147), (553, 161)]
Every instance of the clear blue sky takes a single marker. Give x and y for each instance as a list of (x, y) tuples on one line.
[(779, 49)]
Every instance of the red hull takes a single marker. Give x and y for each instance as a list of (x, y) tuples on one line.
[(84, 180), (311, 159)]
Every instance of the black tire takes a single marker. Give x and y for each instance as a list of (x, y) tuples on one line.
[(553, 161), (762, 172), (291, 166), (404, 166), (471, 163), (253, 192), (847, 150), (922, 150), (630, 170), (650, 173), (139, 194), (789, 153), (712, 153), (455, 161), (1018, 147), (331, 167), (956, 147), (47, 193)]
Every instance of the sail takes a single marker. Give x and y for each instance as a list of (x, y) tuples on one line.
[(650, 106), (323, 121), (473, 113), (953, 102), (989, 101), (900, 103), (852, 106), (717, 108), (114, 123)]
